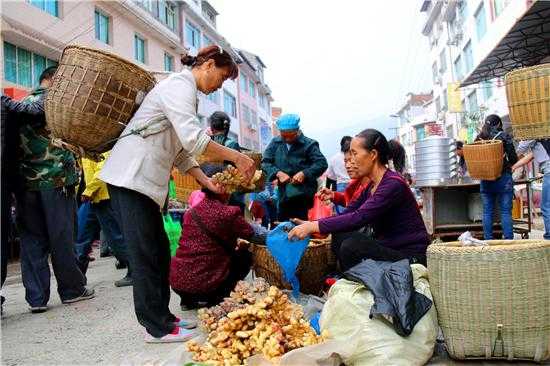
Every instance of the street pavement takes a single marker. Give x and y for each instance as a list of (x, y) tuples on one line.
[(102, 331)]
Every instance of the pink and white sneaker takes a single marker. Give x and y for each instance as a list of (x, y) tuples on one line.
[(177, 335), (187, 324)]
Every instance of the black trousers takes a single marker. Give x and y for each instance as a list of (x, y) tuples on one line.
[(148, 248), (353, 247), (241, 261), (295, 208), (5, 228)]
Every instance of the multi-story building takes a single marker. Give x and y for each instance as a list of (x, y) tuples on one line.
[(150, 33), (34, 34)]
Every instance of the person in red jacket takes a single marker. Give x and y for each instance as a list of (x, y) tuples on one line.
[(209, 261), (354, 188)]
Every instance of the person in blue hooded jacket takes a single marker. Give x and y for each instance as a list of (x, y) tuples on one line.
[(295, 162)]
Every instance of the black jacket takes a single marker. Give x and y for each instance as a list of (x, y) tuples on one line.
[(13, 115)]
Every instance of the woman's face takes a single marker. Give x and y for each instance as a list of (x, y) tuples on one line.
[(363, 159), (351, 169), (211, 77)]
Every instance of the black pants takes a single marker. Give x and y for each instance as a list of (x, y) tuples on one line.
[(5, 228), (148, 248), (352, 248), (47, 223), (296, 207), (241, 262)]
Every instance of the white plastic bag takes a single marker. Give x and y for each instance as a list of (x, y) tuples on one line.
[(374, 341)]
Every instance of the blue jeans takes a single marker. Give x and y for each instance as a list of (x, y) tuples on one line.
[(501, 191), (545, 203), (99, 217), (340, 187)]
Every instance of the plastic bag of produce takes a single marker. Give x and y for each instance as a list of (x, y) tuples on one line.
[(375, 342), (173, 230)]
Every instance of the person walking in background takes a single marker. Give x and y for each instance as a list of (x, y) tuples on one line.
[(501, 190), (13, 115), (296, 162), (539, 150), (100, 217), (46, 211), (337, 174)]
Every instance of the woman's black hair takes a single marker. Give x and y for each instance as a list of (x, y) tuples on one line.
[(220, 121), (345, 143), (398, 156), (375, 140), (492, 122)]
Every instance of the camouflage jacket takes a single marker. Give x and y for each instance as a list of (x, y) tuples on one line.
[(42, 165)]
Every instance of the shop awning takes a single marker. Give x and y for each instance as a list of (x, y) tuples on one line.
[(526, 44)]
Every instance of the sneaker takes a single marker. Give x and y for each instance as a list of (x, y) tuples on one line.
[(125, 281), (87, 294), (38, 309), (187, 324), (177, 335)]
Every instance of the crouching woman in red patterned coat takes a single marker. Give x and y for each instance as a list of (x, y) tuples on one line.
[(209, 260)]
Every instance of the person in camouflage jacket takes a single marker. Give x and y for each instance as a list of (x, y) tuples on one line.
[(46, 212)]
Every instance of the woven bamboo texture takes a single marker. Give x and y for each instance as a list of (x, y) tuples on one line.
[(484, 159), (528, 94), (185, 184), (493, 302), (93, 96), (317, 262)]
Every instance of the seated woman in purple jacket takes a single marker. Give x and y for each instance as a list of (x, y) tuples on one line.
[(387, 208)]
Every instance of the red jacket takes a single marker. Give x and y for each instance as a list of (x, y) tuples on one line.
[(351, 193), (200, 263)]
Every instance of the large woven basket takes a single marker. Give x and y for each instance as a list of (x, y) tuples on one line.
[(528, 94), (93, 96), (493, 302), (484, 159), (185, 185), (317, 262)]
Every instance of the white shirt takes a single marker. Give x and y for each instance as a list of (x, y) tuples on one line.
[(144, 164), (337, 169)]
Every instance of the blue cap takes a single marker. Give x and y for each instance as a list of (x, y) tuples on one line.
[(288, 122)]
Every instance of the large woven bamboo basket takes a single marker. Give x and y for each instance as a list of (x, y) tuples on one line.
[(528, 94), (317, 262), (484, 159), (93, 96), (185, 185), (493, 302)]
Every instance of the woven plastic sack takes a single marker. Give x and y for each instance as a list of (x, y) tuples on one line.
[(287, 253), (173, 230), (374, 341)]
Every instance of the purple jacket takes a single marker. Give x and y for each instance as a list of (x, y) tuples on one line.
[(391, 211)]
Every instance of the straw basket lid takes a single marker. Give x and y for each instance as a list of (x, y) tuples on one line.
[(93, 96), (493, 247)]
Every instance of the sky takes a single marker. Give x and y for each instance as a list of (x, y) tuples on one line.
[(343, 66)]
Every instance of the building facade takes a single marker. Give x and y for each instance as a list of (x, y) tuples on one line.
[(151, 33)]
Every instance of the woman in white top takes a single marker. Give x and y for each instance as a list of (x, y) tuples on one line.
[(164, 132)]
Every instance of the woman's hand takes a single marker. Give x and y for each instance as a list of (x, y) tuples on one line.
[(246, 166), (242, 244), (298, 178), (283, 177), (303, 230), (326, 195), (214, 187)]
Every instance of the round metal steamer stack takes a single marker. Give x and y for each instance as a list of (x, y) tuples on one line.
[(435, 161)]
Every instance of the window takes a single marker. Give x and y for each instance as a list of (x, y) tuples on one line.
[(468, 58), (214, 97), (139, 49), (49, 6), (22, 66), (167, 14), (245, 114), (458, 68), (168, 62), (229, 104), (192, 35), (206, 41), (445, 102), (487, 90), (263, 101), (435, 73), (420, 133), (443, 61), (252, 88), (244, 83), (253, 120), (499, 6), (101, 27), (481, 22), (472, 102), (438, 104)]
